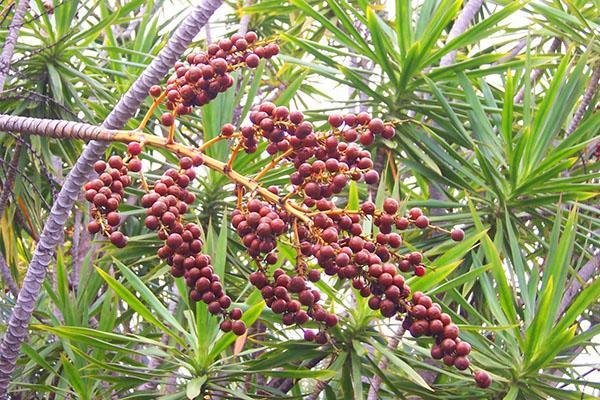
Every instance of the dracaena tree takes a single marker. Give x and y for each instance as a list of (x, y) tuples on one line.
[(232, 239)]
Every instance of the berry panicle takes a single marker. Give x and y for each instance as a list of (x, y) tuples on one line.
[(304, 212)]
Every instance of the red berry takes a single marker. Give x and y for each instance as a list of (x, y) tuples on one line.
[(226, 325), (167, 119), (422, 222), (235, 314), (118, 239), (238, 328), (390, 206), (135, 165), (134, 148), (457, 234), (482, 379), (93, 227), (99, 166)]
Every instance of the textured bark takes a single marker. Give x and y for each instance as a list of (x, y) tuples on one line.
[(588, 96), (515, 50), (11, 40), (245, 20), (586, 272), (53, 230), (287, 384), (7, 276), (535, 75), (383, 364), (319, 387), (4, 196), (460, 26)]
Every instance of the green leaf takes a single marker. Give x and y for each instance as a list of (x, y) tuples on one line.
[(194, 387), (136, 304), (399, 363), (148, 296)]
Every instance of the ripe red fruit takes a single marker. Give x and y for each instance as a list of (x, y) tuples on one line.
[(115, 162), (321, 338), (118, 239), (93, 227), (419, 270), (113, 218), (376, 125), (252, 60), (235, 314), (415, 258), (461, 363), (415, 213), (314, 275), (167, 119), (226, 325), (134, 148), (214, 307), (451, 331), (371, 177), (482, 379), (390, 206), (99, 166), (331, 320), (135, 165), (448, 345), (250, 37), (437, 353), (186, 163), (457, 234), (422, 222), (155, 91), (227, 130), (463, 348), (309, 335), (335, 120), (238, 328)]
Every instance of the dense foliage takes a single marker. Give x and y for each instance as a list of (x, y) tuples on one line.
[(434, 203)]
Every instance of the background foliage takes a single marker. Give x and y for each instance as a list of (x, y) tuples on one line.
[(499, 141)]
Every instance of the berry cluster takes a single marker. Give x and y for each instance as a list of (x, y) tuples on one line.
[(206, 74), (105, 193), (425, 318), (287, 295), (166, 204), (259, 224), (333, 237), (304, 212)]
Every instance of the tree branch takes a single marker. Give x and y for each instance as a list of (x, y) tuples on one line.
[(460, 26), (11, 40), (588, 96), (52, 234), (583, 275), (535, 75)]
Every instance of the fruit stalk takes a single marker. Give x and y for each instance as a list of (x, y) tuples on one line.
[(75, 130)]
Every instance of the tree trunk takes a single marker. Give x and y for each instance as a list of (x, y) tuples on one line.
[(52, 234), (11, 40)]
